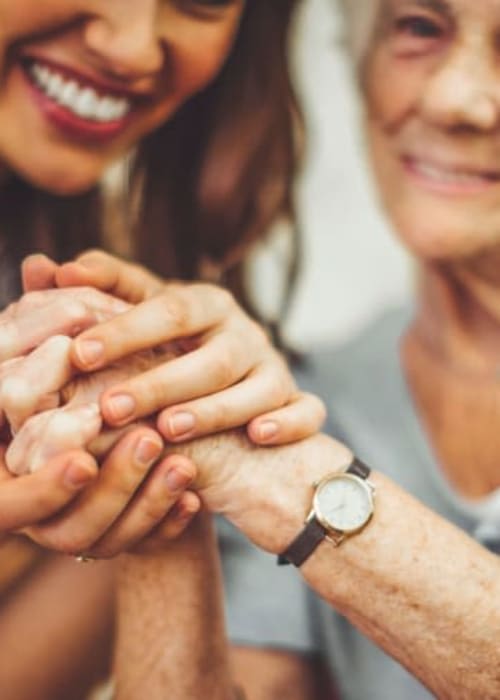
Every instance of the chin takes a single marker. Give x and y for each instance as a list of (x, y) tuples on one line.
[(434, 238), (59, 180)]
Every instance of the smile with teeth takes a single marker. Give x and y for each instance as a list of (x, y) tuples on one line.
[(452, 176), (84, 102)]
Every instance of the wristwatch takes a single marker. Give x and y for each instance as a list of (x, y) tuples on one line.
[(343, 505)]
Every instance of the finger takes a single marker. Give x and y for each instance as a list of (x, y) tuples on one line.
[(23, 333), (38, 272), (125, 280), (179, 312), (40, 315), (150, 506), (44, 371), (47, 434), (265, 388), (211, 368), (29, 499), (172, 527), (86, 521), (299, 419)]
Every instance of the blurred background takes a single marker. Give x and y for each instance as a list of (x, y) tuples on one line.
[(352, 268)]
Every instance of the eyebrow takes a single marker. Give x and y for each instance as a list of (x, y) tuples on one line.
[(439, 6)]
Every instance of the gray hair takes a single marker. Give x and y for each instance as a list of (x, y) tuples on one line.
[(359, 18)]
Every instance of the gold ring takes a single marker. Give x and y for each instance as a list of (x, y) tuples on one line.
[(84, 558)]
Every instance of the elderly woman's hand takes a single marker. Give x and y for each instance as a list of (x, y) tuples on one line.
[(136, 495), (228, 375)]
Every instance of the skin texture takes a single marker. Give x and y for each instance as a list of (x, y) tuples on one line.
[(432, 96), (43, 608), (165, 52), (438, 104), (383, 575), (52, 409)]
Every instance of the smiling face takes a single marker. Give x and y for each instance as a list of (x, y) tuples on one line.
[(432, 86), (82, 81)]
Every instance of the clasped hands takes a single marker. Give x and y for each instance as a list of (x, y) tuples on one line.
[(105, 371)]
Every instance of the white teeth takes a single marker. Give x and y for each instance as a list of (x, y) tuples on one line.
[(86, 103), (68, 94), (54, 85), (82, 101), (106, 109), (448, 176)]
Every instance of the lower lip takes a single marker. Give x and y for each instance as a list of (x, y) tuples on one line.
[(446, 187), (70, 124)]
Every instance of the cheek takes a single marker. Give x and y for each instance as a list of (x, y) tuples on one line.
[(392, 88), (197, 53), (23, 18), (431, 227)]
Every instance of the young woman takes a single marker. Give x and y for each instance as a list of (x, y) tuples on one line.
[(179, 88), (416, 396)]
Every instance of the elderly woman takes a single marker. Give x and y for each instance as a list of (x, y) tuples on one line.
[(416, 396)]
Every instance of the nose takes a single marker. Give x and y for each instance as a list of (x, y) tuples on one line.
[(124, 40), (464, 92)]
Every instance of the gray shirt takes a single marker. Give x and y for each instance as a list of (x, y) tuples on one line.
[(370, 408)]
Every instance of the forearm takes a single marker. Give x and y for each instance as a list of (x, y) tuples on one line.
[(419, 587), (171, 639), (56, 631), (423, 591)]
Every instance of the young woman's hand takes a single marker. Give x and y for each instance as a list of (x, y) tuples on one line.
[(138, 499), (228, 375), (33, 498)]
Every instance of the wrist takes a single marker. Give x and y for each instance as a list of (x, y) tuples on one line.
[(271, 503)]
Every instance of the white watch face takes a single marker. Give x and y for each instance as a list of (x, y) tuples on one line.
[(344, 503)]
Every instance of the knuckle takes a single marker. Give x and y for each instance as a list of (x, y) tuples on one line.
[(94, 255), (175, 312), (214, 416), (278, 387), (260, 335), (223, 367)]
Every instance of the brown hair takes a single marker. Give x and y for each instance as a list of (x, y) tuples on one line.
[(209, 182)]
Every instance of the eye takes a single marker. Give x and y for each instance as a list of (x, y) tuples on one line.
[(417, 33), (206, 9), (418, 27), (207, 4)]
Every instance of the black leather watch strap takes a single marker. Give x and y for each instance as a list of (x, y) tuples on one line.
[(358, 468), (304, 544), (313, 532)]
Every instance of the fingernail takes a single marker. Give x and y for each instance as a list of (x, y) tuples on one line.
[(120, 406), (267, 430), (89, 352), (77, 476), (147, 451), (177, 480), (181, 423)]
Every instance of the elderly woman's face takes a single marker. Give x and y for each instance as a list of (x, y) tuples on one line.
[(432, 81), (81, 81)]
